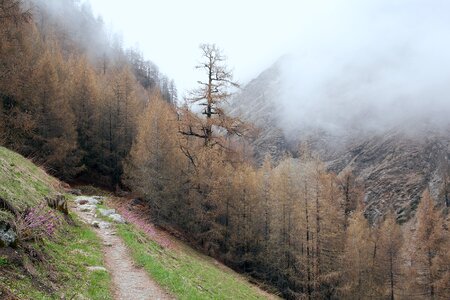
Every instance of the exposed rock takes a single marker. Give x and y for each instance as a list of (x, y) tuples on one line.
[(7, 235), (87, 208), (117, 218), (395, 165), (100, 199), (97, 268), (83, 200), (101, 224), (256, 105), (106, 212), (395, 169)]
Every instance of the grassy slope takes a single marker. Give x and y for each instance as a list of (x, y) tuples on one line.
[(22, 183), (58, 267), (63, 273), (185, 272)]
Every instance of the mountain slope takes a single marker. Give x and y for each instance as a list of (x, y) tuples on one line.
[(395, 165), (254, 103), (395, 169)]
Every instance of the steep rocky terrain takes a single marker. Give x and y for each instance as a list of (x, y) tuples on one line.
[(396, 168), (394, 165), (255, 105)]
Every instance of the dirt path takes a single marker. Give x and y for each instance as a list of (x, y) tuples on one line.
[(129, 281)]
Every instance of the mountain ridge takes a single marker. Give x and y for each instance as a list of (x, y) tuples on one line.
[(395, 165)]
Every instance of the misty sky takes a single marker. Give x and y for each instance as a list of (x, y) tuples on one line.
[(253, 34), (353, 63)]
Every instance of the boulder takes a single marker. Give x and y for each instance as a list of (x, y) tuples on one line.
[(99, 199), (83, 200), (97, 268), (7, 235), (100, 224), (106, 212), (87, 208), (117, 218)]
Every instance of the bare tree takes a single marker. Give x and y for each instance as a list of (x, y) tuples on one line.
[(211, 94)]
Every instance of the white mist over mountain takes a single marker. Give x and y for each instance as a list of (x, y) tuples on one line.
[(369, 66)]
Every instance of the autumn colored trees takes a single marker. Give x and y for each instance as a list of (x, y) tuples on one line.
[(430, 263), (64, 104), (293, 224), (110, 118)]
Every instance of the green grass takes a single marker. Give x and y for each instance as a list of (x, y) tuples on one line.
[(3, 261), (65, 269), (22, 183), (184, 272), (58, 267)]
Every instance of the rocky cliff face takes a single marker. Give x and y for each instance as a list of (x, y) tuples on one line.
[(395, 166), (256, 104)]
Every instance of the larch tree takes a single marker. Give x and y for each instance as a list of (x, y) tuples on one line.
[(431, 264), (351, 193), (154, 167), (84, 97), (121, 108), (11, 11), (329, 234), (388, 260), (211, 95), (358, 255), (16, 49), (55, 134)]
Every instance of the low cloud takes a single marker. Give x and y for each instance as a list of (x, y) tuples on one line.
[(369, 66)]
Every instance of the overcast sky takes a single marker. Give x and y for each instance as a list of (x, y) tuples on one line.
[(353, 63), (252, 33)]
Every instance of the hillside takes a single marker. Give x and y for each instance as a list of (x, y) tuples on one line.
[(253, 103), (39, 263), (396, 168), (395, 165), (70, 264)]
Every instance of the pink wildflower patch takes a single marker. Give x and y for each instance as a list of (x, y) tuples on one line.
[(141, 222), (38, 222)]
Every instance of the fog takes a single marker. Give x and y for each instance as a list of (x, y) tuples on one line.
[(369, 66), (353, 65)]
